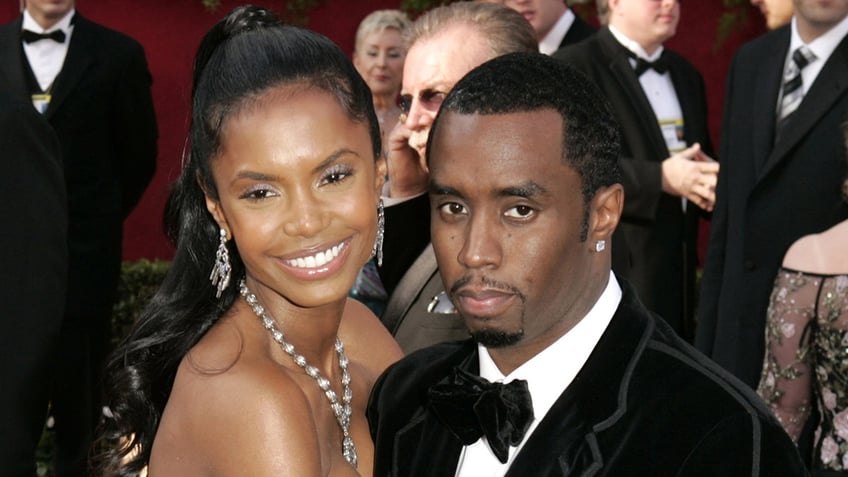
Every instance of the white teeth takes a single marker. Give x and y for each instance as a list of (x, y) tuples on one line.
[(317, 260)]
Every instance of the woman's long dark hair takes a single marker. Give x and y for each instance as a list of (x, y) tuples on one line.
[(240, 58)]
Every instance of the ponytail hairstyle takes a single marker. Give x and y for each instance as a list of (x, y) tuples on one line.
[(242, 57)]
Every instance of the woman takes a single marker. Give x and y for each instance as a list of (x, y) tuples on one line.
[(806, 362), (267, 371), (378, 55)]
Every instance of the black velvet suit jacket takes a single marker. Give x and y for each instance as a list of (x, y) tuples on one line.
[(655, 244), (769, 194), (102, 112), (33, 271), (644, 404)]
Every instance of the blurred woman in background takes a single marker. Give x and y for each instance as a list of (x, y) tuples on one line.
[(806, 362), (378, 56)]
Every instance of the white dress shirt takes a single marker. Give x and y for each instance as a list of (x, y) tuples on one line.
[(548, 374), (822, 47), (550, 43), (47, 56), (660, 93)]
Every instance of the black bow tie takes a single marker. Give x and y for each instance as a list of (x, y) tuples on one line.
[(660, 65), (472, 407), (643, 65), (29, 36)]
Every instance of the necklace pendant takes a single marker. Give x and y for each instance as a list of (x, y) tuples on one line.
[(349, 450)]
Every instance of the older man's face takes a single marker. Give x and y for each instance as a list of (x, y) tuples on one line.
[(433, 66)]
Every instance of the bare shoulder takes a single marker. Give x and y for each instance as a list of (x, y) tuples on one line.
[(823, 253), (241, 416), (366, 340)]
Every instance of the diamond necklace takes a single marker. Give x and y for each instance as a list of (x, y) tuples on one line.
[(342, 410)]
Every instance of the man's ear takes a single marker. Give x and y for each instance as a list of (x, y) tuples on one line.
[(605, 212), (214, 208)]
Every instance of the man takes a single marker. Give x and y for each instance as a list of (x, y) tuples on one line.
[(555, 24), (93, 87), (523, 218), (33, 264), (669, 177), (443, 45), (782, 169), (776, 12)]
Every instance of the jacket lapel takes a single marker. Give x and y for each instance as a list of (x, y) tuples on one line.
[(768, 79), (425, 447), (79, 59), (830, 84), (686, 94), (11, 60), (594, 402), (623, 73)]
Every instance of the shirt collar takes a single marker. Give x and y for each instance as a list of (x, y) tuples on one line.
[(64, 24), (550, 43), (550, 372), (824, 45), (633, 46)]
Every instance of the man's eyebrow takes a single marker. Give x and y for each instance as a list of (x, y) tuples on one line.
[(439, 189), (433, 88), (527, 190)]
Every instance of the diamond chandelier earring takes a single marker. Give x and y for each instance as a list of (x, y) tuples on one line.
[(377, 248), (220, 276)]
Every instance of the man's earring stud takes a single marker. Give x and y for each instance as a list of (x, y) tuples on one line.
[(600, 245)]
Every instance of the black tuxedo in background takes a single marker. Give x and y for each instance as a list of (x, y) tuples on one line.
[(654, 246), (769, 194), (33, 272), (578, 31), (645, 403), (102, 112)]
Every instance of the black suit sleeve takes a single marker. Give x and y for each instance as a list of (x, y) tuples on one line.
[(135, 127), (711, 278), (33, 274), (744, 446)]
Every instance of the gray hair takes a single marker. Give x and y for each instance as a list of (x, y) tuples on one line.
[(381, 20), (505, 30)]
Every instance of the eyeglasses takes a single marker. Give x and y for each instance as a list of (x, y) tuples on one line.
[(430, 99), (441, 305)]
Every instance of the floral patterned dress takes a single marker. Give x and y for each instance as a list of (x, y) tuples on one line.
[(806, 360)]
